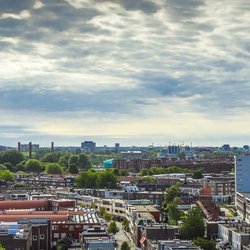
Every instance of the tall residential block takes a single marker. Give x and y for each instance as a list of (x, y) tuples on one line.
[(242, 173)]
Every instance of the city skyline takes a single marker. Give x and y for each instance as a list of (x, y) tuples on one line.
[(133, 72)]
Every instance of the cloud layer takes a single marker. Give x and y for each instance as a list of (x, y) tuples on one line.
[(134, 71)]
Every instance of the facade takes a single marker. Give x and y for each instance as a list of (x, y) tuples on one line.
[(221, 187), (210, 165), (173, 150), (243, 205), (235, 235), (242, 173)]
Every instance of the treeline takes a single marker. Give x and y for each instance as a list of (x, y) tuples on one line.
[(92, 179), (12, 161), (51, 163)]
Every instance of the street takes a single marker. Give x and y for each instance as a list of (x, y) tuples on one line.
[(122, 236)]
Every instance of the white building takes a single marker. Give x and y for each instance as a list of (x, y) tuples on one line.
[(242, 173)]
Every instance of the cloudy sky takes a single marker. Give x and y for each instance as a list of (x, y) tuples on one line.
[(130, 71)]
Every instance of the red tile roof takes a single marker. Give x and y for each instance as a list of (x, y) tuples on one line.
[(206, 191)]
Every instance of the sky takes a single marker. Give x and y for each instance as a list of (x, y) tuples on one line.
[(135, 72)]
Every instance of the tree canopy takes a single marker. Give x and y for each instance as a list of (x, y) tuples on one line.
[(113, 228), (73, 169), (193, 225), (84, 162), (33, 165), (51, 157), (12, 156), (205, 244), (6, 175), (125, 246), (171, 193), (91, 179), (53, 168), (197, 174)]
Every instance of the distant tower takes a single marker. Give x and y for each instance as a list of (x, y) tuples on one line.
[(117, 147), (88, 146), (30, 150), (19, 146), (52, 146)]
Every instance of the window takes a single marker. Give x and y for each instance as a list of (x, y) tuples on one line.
[(54, 227), (41, 236), (63, 235), (34, 237), (56, 235)]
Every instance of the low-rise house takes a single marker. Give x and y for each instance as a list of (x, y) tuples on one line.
[(234, 234)]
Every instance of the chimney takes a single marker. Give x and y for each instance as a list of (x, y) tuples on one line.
[(52, 146), (30, 150), (19, 146)]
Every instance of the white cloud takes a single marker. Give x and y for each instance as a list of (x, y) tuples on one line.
[(120, 68), (24, 14)]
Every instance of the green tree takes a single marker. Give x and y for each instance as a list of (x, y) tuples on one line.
[(144, 172), (113, 228), (102, 211), (106, 180), (64, 159), (12, 156), (107, 216), (8, 166), (33, 165), (193, 225), (125, 246), (83, 161), (73, 159), (87, 180), (123, 172), (7, 175), (19, 167), (1, 247), (174, 214), (2, 167), (229, 200), (73, 169), (51, 157), (115, 171), (197, 174), (53, 168), (205, 244), (125, 224), (171, 193)]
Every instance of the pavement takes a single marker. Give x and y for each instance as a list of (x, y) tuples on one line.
[(122, 236)]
